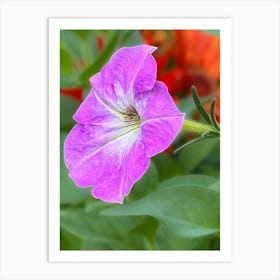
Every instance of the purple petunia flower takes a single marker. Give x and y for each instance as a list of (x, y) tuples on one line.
[(127, 118)]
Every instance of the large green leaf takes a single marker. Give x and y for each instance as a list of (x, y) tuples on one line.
[(69, 192), (148, 228), (100, 232), (189, 180), (187, 211), (166, 240)]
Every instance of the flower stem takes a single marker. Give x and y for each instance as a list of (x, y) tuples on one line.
[(196, 127)]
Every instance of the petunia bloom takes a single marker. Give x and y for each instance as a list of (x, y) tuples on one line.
[(127, 118)]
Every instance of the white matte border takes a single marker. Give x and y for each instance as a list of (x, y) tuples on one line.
[(55, 254)]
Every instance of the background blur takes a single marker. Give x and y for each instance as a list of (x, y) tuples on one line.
[(184, 58)]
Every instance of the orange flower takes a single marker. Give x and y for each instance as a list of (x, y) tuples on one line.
[(200, 50), (186, 58)]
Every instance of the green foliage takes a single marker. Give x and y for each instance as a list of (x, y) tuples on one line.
[(68, 106), (166, 240), (69, 241), (212, 131), (181, 214), (213, 116), (192, 156), (72, 43), (80, 57), (199, 105), (188, 106), (172, 207), (66, 61), (190, 180), (102, 233), (146, 184), (167, 166), (187, 210)]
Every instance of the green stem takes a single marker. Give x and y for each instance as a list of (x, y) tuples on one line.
[(196, 127)]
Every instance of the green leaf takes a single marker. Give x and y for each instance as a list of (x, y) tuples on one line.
[(130, 38), (103, 58), (166, 240), (213, 116), (91, 44), (69, 80), (194, 180), (187, 211), (100, 232), (95, 205), (194, 155), (69, 241), (215, 186), (195, 140), (146, 184), (69, 192), (66, 62), (71, 42), (187, 105), (167, 166), (199, 105), (211, 134), (68, 106), (212, 32), (148, 228)]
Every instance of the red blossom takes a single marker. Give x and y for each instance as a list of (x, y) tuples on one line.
[(185, 58), (76, 93)]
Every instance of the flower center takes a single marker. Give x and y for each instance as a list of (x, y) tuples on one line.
[(131, 115)]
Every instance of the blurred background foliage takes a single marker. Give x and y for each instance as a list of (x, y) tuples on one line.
[(176, 204)]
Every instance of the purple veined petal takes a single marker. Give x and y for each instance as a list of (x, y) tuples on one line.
[(130, 69), (161, 120), (146, 78), (157, 103), (93, 111), (158, 134), (132, 167), (110, 160)]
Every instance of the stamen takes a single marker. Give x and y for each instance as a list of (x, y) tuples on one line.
[(131, 115)]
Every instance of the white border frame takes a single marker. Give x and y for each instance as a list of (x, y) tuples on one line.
[(57, 255)]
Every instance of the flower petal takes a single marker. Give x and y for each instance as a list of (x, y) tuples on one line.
[(161, 120), (104, 158), (129, 69), (125, 174), (92, 111)]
